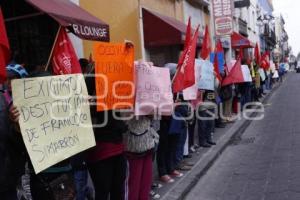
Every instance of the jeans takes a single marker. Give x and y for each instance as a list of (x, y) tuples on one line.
[(180, 147), (80, 179), (205, 126), (108, 177)]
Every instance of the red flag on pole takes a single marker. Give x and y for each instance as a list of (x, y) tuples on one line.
[(206, 47), (216, 68), (257, 54), (64, 59), (218, 49), (185, 75), (4, 49), (265, 61), (235, 75), (188, 34), (188, 37)]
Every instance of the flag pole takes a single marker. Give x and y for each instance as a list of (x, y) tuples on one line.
[(50, 56)]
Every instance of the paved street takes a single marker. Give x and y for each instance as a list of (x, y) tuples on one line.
[(265, 165)]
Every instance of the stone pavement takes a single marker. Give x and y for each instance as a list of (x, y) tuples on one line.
[(265, 163)]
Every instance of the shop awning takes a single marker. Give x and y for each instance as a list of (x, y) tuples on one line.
[(76, 19), (239, 41), (160, 30)]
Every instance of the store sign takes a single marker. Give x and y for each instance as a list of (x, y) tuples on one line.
[(241, 3), (91, 32), (223, 16)]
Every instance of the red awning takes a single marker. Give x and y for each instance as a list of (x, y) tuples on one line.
[(76, 19), (160, 30), (239, 41)]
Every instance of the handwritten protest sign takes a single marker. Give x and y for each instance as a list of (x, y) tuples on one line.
[(262, 74), (207, 79), (114, 76), (55, 117), (153, 90), (246, 73), (191, 92)]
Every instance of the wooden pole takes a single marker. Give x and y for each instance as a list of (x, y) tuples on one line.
[(50, 56)]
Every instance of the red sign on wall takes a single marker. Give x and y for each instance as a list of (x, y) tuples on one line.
[(223, 16)]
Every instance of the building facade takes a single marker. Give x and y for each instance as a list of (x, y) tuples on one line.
[(140, 21), (282, 46), (266, 25)]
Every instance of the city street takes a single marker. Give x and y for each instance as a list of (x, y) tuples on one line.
[(265, 164)]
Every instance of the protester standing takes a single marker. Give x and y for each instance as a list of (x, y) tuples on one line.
[(206, 119), (140, 141), (12, 148)]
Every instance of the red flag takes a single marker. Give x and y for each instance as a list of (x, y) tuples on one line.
[(257, 54), (185, 75), (64, 60), (216, 68), (188, 34), (4, 49), (265, 61), (235, 75), (218, 49), (206, 47), (188, 37)]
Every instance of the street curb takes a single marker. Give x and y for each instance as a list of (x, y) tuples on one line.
[(187, 183)]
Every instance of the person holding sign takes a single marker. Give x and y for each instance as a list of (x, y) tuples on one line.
[(106, 162), (12, 149), (140, 141)]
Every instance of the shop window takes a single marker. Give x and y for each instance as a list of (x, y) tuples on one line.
[(162, 55)]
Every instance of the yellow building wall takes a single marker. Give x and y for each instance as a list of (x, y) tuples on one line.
[(123, 18)]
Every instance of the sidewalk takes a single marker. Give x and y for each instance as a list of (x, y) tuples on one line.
[(205, 158)]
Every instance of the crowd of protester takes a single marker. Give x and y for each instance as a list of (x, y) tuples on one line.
[(121, 164)]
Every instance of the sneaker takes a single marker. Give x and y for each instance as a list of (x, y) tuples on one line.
[(154, 195), (205, 145), (166, 179), (191, 164), (156, 185), (176, 174), (192, 149), (188, 156), (183, 167)]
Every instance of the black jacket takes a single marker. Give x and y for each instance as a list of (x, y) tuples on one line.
[(12, 150)]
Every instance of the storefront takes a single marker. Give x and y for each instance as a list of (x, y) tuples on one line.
[(33, 24)]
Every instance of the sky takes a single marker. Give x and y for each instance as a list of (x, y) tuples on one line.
[(290, 10)]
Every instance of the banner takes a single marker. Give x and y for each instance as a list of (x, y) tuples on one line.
[(246, 73), (222, 11), (153, 90), (114, 64), (64, 59), (207, 79), (55, 118)]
